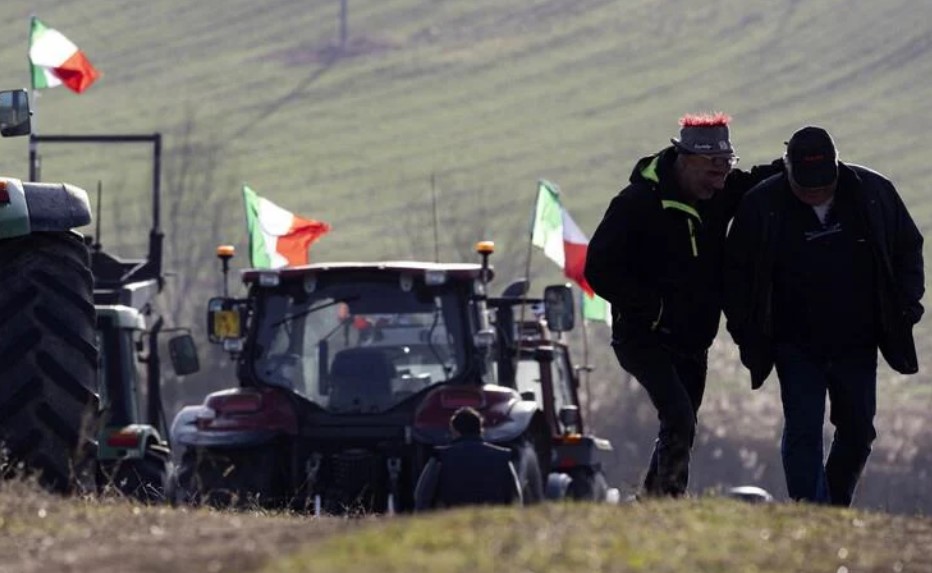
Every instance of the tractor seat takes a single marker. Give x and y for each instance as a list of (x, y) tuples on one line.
[(361, 380)]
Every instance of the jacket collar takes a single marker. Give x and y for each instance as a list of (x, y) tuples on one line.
[(658, 171)]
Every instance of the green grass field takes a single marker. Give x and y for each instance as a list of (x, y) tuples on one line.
[(710, 535), (475, 100), (486, 96)]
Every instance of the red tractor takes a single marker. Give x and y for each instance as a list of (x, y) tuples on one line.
[(349, 373)]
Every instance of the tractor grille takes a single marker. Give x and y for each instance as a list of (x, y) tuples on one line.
[(354, 478), (354, 468)]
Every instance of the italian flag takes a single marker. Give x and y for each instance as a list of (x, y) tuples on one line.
[(562, 241), (277, 238), (55, 60)]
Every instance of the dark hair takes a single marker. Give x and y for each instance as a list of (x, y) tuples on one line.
[(466, 421)]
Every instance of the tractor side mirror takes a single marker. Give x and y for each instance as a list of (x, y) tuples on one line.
[(15, 116), (225, 319), (558, 308), (183, 354)]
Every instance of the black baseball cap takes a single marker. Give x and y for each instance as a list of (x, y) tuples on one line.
[(813, 157)]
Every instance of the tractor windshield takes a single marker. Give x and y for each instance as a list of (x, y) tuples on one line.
[(360, 344)]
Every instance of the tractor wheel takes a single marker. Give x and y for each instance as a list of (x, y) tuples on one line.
[(587, 485), (48, 360), (527, 467), (144, 479)]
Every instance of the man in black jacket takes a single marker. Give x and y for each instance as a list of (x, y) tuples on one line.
[(823, 267), (656, 257), (469, 471)]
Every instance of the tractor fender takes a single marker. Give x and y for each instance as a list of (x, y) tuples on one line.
[(185, 433), (127, 442), (42, 207), (56, 206), (519, 419)]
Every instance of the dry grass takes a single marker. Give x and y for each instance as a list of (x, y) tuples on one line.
[(41, 532), (696, 535)]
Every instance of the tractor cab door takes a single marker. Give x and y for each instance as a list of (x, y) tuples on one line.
[(544, 374), (118, 377)]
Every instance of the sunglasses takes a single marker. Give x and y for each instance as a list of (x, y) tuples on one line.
[(720, 161)]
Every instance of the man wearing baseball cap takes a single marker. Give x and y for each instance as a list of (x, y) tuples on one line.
[(823, 267), (656, 257)]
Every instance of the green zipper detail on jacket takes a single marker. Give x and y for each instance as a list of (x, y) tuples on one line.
[(649, 172), (679, 206)]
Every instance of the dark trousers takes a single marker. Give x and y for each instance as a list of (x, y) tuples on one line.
[(675, 383), (851, 385)]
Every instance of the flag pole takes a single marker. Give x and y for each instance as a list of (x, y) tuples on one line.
[(33, 101), (34, 174), (243, 189), (586, 369), (527, 275)]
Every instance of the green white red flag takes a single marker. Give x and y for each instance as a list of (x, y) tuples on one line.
[(277, 237), (55, 60), (555, 232)]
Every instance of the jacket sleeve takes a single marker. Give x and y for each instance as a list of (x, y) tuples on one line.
[(615, 260), (906, 257), (739, 182), (425, 492), (742, 248)]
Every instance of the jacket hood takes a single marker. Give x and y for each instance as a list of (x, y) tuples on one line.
[(646, 170), (657, 171)]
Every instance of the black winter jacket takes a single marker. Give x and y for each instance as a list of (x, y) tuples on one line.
[(468, 472), (751, 252), (656, 256)]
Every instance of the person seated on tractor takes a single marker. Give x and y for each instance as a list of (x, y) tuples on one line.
[(469, 471)]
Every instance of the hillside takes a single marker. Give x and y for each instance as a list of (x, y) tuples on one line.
[(487, 96), (478, 100)]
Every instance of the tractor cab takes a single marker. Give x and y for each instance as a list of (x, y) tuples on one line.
[(356, 338)]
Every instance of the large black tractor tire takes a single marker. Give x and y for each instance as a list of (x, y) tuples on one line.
[(48, 360), (530, 477), (145, 479), (229, 479), (587, 485)]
